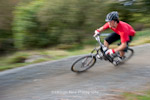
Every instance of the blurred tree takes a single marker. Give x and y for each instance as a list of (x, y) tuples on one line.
[(56, 22), (45, 23), (146, 6), (6, 18), (125, 12), (77, 19), (26, 26)]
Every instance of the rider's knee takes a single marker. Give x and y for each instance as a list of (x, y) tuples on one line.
[(106, 43)]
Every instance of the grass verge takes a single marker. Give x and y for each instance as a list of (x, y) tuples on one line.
[(19, 58), (137, 96)]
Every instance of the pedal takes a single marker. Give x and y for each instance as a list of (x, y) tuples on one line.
[(99, 56), (116, 63)]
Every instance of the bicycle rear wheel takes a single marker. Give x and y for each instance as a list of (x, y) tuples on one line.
[(128, 54), (84, 63)]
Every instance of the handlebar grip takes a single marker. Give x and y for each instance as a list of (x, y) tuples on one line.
[(96, 35)]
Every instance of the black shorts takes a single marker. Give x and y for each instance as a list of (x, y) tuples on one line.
[(114, 37)]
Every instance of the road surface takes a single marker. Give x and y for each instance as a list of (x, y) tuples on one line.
[(54, 81)]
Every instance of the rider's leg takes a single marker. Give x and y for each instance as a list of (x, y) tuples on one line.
[(121, 53), (111, 38), (106, 44), (125, 50)]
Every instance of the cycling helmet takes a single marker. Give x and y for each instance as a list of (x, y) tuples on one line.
[(112, 16)]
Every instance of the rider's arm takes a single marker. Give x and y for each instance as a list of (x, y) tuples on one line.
[(104, 27), (100, 29), (121, 47)]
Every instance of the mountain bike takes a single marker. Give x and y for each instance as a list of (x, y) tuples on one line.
[(86, 62)]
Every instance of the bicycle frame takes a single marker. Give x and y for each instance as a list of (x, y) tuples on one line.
[(84, 63), (101, 49)]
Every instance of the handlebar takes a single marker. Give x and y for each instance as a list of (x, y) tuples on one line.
[(97, 37)]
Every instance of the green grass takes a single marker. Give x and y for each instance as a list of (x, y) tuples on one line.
[(141, 37), (62, 51), (137, 96), (17, 59)]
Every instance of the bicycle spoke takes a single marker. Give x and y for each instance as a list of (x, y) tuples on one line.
[(83, 63)]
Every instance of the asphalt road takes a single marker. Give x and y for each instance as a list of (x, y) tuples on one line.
[(54, 81)]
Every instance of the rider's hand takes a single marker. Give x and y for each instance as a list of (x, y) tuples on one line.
[(96, 32), (110, 52)]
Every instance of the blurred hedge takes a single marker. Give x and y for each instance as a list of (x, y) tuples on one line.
[(6, 41), (45, 23)]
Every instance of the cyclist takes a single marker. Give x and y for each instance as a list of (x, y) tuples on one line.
[(122, 31)]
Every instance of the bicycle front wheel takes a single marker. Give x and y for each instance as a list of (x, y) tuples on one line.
[(84, 63)]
